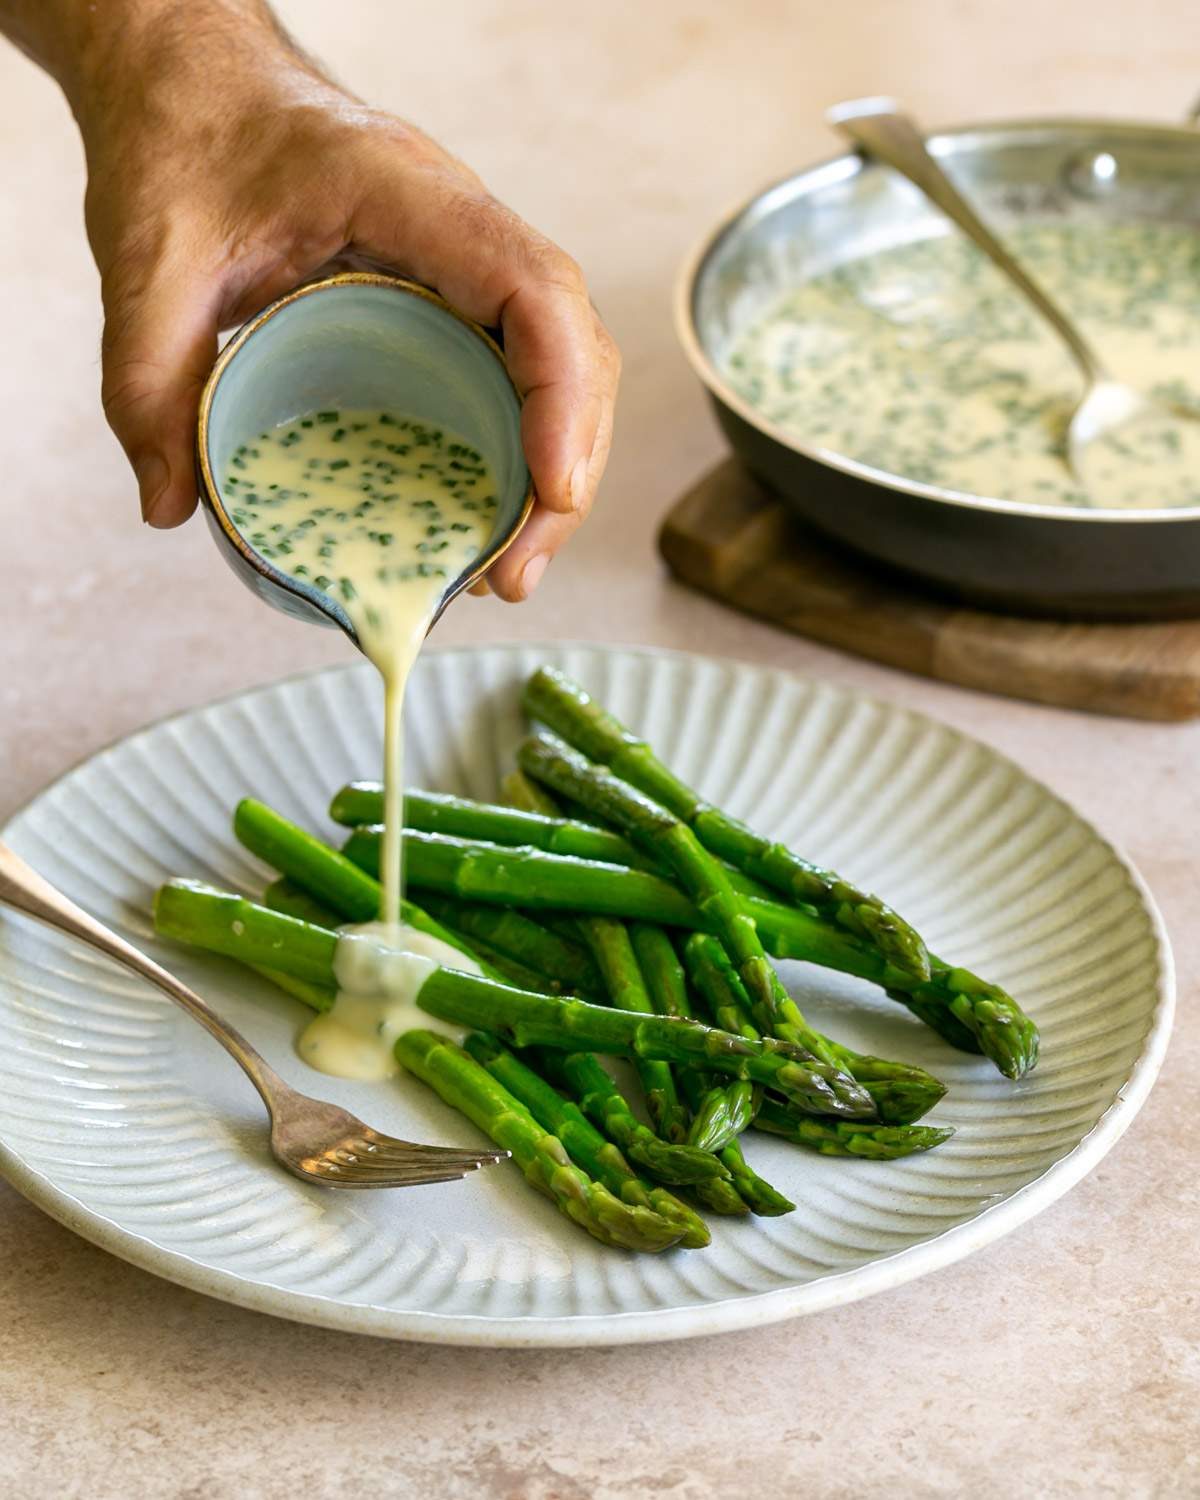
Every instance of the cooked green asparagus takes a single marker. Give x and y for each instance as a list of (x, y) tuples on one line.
[(467, 1087), (746, 1191), (361, 803), (231, 925), (902, 1092), (613, 952), (605, 877), (587, 1148), (966, 1010), (838, 1138), (584, 1077), (564, 707), (566, 965), (670, 840)]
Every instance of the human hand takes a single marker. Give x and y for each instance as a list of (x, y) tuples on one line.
[(224, 168)]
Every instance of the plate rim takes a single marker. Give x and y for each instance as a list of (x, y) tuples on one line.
[(728, 1315)]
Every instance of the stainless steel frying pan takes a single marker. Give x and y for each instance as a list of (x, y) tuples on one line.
[(1053, 560)]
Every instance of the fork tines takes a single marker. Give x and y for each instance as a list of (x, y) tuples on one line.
[(372, 1160)]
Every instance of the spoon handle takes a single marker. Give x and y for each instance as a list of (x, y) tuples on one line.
[(878, 128), (24, 889)]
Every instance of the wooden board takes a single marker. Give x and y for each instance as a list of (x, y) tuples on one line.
[(731, 538)]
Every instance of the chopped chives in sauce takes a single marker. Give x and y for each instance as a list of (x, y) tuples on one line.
[(922, 361)]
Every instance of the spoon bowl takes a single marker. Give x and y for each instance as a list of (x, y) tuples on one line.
[(359, 340), (1113, 419)]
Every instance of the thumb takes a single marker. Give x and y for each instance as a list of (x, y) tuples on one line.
[(160, 340)]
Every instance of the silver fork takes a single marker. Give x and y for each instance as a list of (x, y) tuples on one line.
[(316, 1142)]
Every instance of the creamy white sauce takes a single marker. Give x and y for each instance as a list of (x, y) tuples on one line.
[(923, 361), (382, 512), (379, 971)]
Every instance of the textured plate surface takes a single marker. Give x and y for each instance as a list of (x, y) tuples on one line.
[(126, 1122)]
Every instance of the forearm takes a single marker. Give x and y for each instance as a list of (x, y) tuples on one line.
[(86, 47), (225, 167)]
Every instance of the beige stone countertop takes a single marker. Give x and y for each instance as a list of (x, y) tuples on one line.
[(1062, 1361)]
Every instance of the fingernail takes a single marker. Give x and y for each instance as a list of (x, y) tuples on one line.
[(579, 479), (152, 476), (531, 574)]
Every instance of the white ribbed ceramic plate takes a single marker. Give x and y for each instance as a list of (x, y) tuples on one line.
[(123, 1120)]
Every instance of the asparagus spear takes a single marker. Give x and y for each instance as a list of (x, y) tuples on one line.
[(755, 1192), (467, 1087), (902, 1092), (609, 941), (752, 1192), (501, 967), (722, 1113), (229, 924), (543, 1020), (293, 952), (589, 1083), (361, 803), (585, 1145), (564, 707), (283, 895), (566, 964), (327, 876), (582, 1074), (746, 1191), (964, 1009), (518, 791), (187, 911), (317, 996), (536, 881), (726, 1109), (676, 845), (524, 877), (967, 1011), (838, 1138)]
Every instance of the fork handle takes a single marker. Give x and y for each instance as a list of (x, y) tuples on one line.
[(23, 888), (878, 127)]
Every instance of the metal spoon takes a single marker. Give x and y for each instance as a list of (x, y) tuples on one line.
[(880, 129)]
